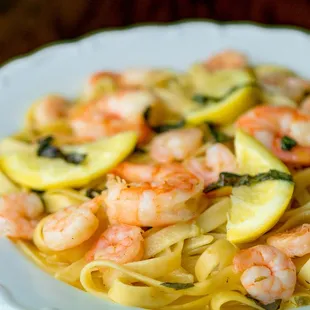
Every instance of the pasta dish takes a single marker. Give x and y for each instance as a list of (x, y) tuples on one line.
[(168, 190)]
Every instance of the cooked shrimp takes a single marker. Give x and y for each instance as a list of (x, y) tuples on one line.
[(119, 243), (176, 144), (112, 114), (285, 83), (269, 124), (267, 273), (305, 105), (128, 79), (295, 242), (19, 214), (71, 226), (228, 59), (159, 195), (49, 110), (218, 159)]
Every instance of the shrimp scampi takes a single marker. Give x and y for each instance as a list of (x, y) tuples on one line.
[(270, 124), (176, 145), (218, 158), (19, 214), (119, 243), (49, 110), (267, 273), (71, 226), (152, 195), (112, 114), (228, 59), (294, 243)]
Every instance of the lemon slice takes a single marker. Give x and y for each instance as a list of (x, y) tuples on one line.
[(217, 84), (227, 110), (25, 167), (255, 209)]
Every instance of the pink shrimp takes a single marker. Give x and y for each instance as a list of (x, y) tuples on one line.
[(129, 79), (228, 59), (152, 195), (112, 114), (176, 144), (119, 243), (284, 82), (269, 124), (49, 110), (267, 273), (295, 242), (19, 215), (218, 159), (71, 226), (305, 105)]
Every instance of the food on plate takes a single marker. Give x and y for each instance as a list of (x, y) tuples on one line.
[(168, 190)]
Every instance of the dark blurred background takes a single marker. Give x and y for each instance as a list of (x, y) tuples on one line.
[(28, 24)]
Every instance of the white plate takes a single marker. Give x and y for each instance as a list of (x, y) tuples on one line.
[(63, 68)]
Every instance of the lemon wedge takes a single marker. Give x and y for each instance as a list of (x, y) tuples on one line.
[(227, 110), (228, 94), (24, 167), (218, 83), (256, 209)]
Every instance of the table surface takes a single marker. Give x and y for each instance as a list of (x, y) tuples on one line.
[(28, 24)]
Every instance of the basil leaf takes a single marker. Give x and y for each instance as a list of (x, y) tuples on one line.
[(302, 300), (217, 135), (139, 150), (92, 193), (205, 99), (177, 286), (236, 180), (75, 158), (287, 143), (273, 306), (164, 127), (46, 149)]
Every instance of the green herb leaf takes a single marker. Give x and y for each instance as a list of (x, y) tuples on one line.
[(139, 150), (205, 99), (217, 135), (74, 158), (236, 180), (302, 300), (46, 149), (177, 286), (273, 306), (163, 127), (92, 193), (287, 143)]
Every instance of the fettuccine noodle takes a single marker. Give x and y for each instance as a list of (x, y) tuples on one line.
[(151, 190)]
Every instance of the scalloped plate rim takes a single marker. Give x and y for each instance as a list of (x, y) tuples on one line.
[(18, 65)]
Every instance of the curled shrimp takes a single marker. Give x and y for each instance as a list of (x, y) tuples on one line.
[(228, 59), (49, 110), (119, 243), (270, 124), (218, 158), (112, 114), (295, 242), (153, 195), (71, 226), (128, 79), (175, 144), (305, 105), (267, 273), (284, 83), (19, 215)]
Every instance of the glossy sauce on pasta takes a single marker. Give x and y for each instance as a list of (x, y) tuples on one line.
[(168, 190)]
